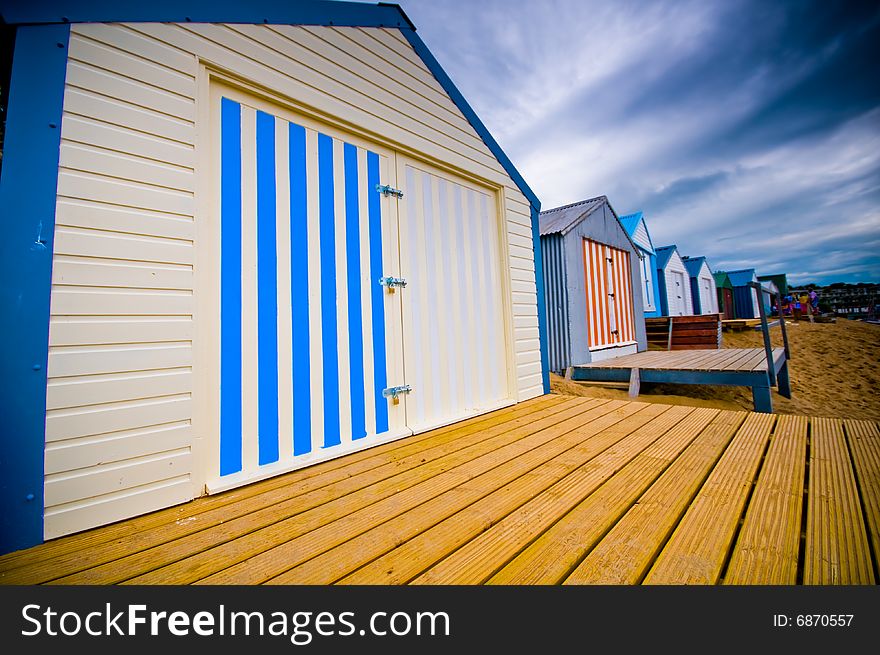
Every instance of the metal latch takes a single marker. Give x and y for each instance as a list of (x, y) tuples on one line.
[(392, 282), (388, 190), (394, 392)]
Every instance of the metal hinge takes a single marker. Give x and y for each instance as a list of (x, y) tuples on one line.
[(388, 190), (392, 282), (394, 392)]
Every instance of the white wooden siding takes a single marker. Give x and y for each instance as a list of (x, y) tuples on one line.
[(707, 290), (119, 418), (640, 236), (685, 305)]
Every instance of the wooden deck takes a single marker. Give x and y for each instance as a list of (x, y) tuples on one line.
[(554, 490), (729, 366)]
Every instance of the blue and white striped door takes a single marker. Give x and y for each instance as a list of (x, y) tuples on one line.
[(308, 339)]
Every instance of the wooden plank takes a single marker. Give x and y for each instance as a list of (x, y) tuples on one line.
[(743, 355), (697, 550), (264, 508), (416, 555), (335, 46), (837, 550), (717, 359), (633, 468), (863, 438), (757, 363), (627, 551), (80, 551), (263, 554), (99, 419), (766, 550), (520, 478)]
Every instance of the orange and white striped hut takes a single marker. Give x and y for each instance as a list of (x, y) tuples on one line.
[(590, 268)]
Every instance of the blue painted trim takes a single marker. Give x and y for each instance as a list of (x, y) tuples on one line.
[(329, 345), (355, 313), (450, 88), (294, 12), (230, 287), (377, 295), (27, 212), (542, 303), (728, 378), (664, 302), (299, 291), (696, 304), (267, 292)]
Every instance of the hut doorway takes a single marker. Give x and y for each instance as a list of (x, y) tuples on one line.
[(609, 296), (358, 294)]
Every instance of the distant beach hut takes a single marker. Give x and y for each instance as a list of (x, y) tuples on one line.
[(672, 278), (725, 295), (779, 279), (637, 229), (744, 297), (589, 265), (703, 292), (768, 300)]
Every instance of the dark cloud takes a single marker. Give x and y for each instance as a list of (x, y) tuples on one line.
[(747, 131)]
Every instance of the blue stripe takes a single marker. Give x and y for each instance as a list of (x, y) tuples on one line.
[(355, 317), (380, 375), (230, 287), (328, 290), (27, 213), (267, 292), (299, 291)]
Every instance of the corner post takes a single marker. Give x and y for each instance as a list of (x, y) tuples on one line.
[(28, 187)]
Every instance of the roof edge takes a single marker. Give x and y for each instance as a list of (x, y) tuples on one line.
[(277, 12), (449, 86)]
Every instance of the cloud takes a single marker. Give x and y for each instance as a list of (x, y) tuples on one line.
[(746, 131)]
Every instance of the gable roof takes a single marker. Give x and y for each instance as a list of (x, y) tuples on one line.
[(664, 253), (722, 280), (561, 219), (780, 279), (693, 265), (277, 12), (641, 237), (630, 222), (742, 277)]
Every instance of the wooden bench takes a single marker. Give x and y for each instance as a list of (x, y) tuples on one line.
[(746, 367)]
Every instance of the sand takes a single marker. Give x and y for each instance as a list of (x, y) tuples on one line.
[(834, 368)]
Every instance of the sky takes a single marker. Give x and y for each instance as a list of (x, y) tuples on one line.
[(747, 131)]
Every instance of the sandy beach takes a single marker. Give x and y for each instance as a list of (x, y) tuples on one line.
[(835, 371)]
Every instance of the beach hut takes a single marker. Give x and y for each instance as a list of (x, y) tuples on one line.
[(745, 298), (779, 279), (637, 229), (704, 296), (674, 283), (590, 262), (725, 295), (272, 233), (768, 299)]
